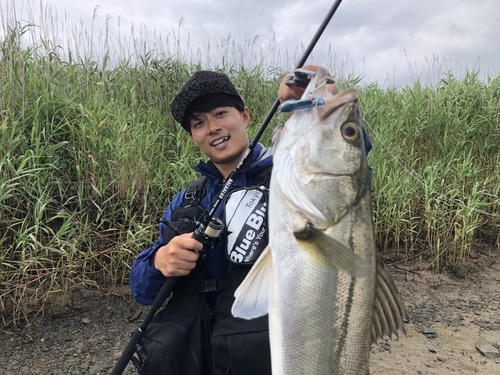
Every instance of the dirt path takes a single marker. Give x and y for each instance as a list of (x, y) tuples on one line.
[(447, 315)]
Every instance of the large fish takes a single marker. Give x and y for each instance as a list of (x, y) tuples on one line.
[(321, 280)]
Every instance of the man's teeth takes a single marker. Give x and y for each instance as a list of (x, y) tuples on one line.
[(219, 141)]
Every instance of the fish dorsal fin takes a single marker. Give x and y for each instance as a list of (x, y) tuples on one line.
[(252, 296), (389, 313)]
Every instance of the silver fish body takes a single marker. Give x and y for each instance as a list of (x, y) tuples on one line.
[(320, 279)]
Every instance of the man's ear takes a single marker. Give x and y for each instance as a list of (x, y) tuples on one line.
[(246, 116)]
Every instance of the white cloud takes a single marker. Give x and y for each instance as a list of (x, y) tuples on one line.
[(377, 38)]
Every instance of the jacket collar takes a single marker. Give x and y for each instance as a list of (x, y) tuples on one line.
[(259, 156)]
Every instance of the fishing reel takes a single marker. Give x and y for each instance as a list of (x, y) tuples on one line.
[(301, 78), (208, 234)]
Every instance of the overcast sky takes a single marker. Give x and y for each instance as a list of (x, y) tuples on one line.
[(389, 41)]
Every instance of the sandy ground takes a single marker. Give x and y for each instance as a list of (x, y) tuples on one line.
[(447, 315)]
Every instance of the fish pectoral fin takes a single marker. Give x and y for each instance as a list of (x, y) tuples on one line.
[(252, 296), (389, 315), (332, 253)]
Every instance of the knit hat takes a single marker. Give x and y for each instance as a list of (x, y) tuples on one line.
[(201, 83)]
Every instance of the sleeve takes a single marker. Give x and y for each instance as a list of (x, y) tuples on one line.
[(368, 147), (368, 142), (145, 279)]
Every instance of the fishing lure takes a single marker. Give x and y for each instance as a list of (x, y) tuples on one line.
[(294, 105)]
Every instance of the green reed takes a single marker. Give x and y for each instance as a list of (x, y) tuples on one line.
[(90, 157), (435, 159)]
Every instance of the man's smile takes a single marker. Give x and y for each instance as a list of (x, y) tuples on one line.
[(220, 141)]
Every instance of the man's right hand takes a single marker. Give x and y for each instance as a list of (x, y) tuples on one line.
[(179, 256)]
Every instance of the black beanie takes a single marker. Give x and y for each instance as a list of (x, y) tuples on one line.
[(201, 83)]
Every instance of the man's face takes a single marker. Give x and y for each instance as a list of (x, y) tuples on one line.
[(221, 134)]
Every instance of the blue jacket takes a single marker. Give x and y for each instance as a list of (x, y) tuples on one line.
[(145, 279)]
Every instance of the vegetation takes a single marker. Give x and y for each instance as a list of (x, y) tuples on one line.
[(435, 158), (90, 157)]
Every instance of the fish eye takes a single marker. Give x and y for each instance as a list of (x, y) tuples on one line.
[(350, 132)]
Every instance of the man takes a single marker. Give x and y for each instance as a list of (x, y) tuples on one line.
[(195, 334)]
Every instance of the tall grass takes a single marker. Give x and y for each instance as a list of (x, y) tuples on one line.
[(436, 185), (90, 158), (90, 154)]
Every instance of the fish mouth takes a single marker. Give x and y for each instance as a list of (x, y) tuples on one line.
[(332, 175), (220, 141)]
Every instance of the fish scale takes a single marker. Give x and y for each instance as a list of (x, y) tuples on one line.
[(320, 275), (333, 326)]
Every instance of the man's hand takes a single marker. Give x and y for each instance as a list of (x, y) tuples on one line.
[(179, 256), (286, 92)]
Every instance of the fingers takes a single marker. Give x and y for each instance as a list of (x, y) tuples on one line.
[(178, 257), (286, 92)]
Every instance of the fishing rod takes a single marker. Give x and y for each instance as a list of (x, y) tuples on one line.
[(210, 226)]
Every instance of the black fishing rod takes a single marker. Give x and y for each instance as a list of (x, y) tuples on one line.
[(211, 226)]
